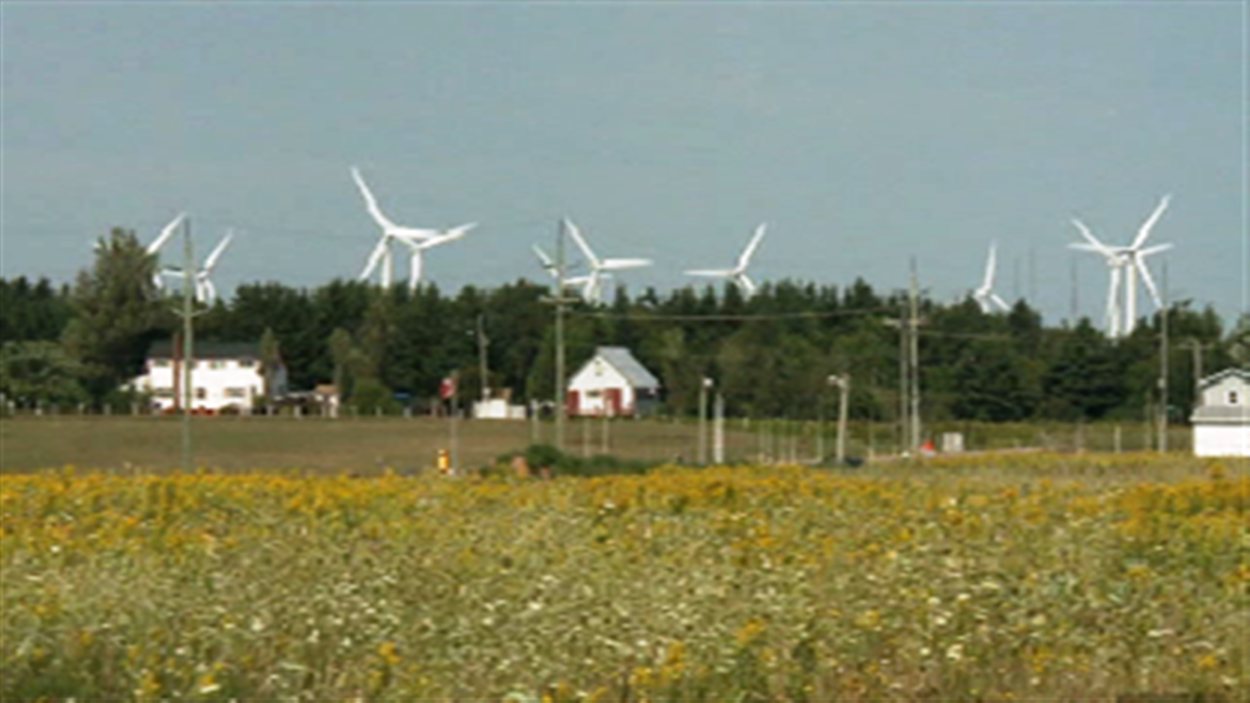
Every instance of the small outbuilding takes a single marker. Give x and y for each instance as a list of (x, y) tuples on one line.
[(612, 383), (1222, 418)]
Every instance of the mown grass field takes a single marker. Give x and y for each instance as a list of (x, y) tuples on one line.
[(369, 446), (1039, 577)]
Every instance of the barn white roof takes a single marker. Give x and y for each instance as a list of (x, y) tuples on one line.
[(620, 359)]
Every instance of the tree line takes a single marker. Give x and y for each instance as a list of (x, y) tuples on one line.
[(770, 355)]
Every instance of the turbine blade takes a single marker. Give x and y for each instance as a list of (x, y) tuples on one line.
[(371, 203), (1149, 224), (1098, 246), (1150, 251), (374, 258), (618, 264), (745, 283), (547, 263), (1149, 281), (718, 273), (166, 233), (581, 243), (745, 258), (1000, 302), (211, 261), (989, 269)]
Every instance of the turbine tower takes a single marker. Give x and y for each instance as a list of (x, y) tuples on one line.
[(592, 289), (738, 274), (985, 295), (1126, 262), (418, 240)]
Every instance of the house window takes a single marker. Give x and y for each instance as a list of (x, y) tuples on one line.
[(236, 392), (247, 363), (216, 364), (1232, 397), (163, 392), (201, 393), (160, 363), (594, 394)]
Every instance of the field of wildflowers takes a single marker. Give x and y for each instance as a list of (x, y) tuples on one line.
[(992, 578)]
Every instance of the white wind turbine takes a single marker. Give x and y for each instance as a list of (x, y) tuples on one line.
[(985, 295), (205, 291), (549, 265), (599, 268), (1127, 262), (738, 274), (418, 240)]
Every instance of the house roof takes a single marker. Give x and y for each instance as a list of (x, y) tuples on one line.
[(620, 359), (1218, 376), (208, 350)]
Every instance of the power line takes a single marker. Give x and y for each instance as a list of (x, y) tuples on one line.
[(720, 317)]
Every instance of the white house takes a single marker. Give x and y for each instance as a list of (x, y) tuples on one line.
[(223, 375), (612, 383), (1222, 419)]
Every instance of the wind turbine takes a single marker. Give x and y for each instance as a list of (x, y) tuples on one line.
[(549, 266), (599, 268), (985, 295), (738, 274), (1127, 262), (205, 291), (417, 239)]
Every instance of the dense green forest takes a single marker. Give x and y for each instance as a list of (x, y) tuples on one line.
[(770, 354)]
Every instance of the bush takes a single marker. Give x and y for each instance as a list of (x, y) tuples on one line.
[(370, 395)]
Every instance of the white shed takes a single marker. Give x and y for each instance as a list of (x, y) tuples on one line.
[(1222, 419), (612, 383)]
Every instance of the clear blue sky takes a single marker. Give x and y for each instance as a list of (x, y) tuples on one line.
[(864, 133)]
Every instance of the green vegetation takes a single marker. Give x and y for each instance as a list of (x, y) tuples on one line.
[(996, 578)]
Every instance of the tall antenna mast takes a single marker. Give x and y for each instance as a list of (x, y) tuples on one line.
[(915, 359)]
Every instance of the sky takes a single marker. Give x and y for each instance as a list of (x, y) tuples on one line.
[(865, 134)]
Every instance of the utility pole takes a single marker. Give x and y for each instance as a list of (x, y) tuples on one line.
[(1163, 366), (843, 382), (187, 313), (705, 383), (1196, 347), (914, 322), (901, 324), (482, 343), (718, 430), (561, 401)]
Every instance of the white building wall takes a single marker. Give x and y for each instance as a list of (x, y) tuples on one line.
[(590, 384), (1230, 391), (217, 383), (1221, 440)]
